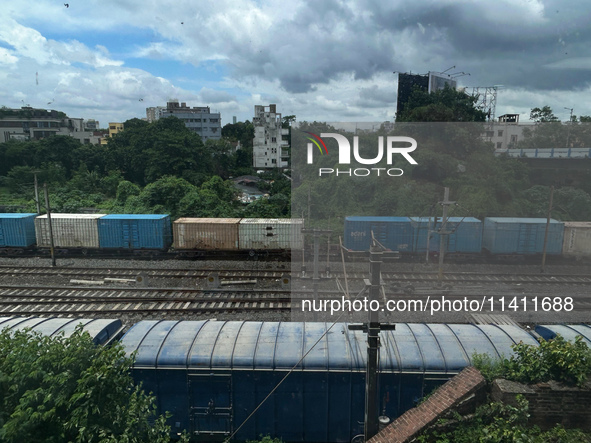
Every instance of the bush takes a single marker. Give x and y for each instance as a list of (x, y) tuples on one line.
[(557, 359)]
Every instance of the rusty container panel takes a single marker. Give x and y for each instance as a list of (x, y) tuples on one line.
[(69, 230), (219, 234), (271, 233)]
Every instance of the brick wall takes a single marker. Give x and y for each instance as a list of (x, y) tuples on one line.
[(468, 383), (549, 403)]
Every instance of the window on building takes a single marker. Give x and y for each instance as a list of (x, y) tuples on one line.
[(273, 139), (500, 133), (273, 160), (514, 139), (499, 145), (490, 134), (213, 120)]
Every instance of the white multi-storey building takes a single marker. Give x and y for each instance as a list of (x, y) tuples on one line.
[(198, 119), (506, 131), (269, 143)]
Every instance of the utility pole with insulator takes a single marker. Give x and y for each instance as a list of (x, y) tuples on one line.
[(372, 328)]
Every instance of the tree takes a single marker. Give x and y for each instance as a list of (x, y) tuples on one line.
[(147, 152), (444, 105), (543, 115), (58, 389)]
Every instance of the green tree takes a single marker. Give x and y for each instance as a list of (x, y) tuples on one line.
[(444, 105), (165, 195), (58, 389), (147, 152), (543, 115)]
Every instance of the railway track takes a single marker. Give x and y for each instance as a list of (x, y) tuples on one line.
[(99, 301), (233, 274), (56, 300)]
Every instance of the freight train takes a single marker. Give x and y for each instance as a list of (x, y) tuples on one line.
[(148, 234), (308, 379), (470, 238)]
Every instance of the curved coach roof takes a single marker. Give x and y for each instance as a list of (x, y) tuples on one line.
[(279, 346), (101, 330), (569, 332)]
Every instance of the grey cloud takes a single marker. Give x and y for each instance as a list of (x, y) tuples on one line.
[(214, 96), (325, 40)]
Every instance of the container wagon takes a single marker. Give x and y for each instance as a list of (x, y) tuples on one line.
[(270, 234), (16, 231), (577, 240), (209, 234), (521, 236), (465, 236), (78, 231), (394, 233), (211, 375), (135, 232)]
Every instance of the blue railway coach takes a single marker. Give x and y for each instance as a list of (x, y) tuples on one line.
[(102, 331), (135, 231), (211, 375)]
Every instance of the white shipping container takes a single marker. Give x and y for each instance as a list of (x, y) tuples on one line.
[(220, 234), (577, 239), (271, 233), (69, 230)]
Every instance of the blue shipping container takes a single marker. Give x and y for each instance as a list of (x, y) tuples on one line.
[(211, 375), (509, 235), (394, 233), (17, 230), (135, 231), (465, 237)]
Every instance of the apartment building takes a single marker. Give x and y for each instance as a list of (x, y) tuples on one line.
[(270, 138), (198, 119)]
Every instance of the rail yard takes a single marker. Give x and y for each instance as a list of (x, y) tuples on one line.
[(268, 291)]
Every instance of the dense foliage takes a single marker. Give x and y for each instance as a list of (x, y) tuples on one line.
[(557, 359), (159, 167), (499, 423), (57, 389)]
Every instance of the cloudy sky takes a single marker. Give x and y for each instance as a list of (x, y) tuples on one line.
[(327, 60)]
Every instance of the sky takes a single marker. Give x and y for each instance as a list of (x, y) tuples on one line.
[(331, 60)]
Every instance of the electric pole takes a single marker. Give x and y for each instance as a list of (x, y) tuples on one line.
[(372, 328), (37, 202), (443, 233), (547, 229), (52, 248)]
